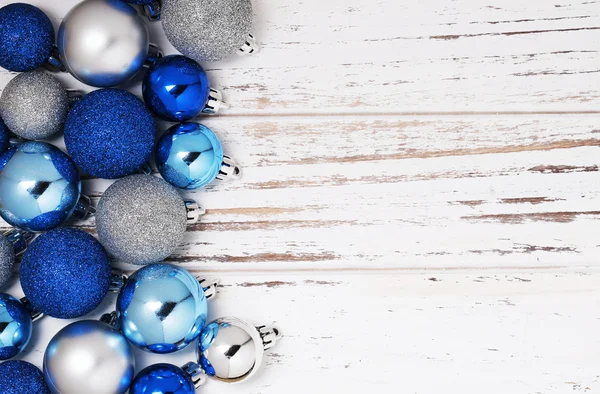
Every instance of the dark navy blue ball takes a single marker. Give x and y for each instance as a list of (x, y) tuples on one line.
[(65, 273), (26, 37), (176, 88), (162, 379), (21, 377), (109, 133), (4, 137)]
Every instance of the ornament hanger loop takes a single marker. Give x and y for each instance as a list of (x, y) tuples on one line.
[(210, 287)]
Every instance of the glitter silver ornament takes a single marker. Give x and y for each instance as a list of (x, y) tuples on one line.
[(141, 219), (89, 357), (209, 30), (34, 105), (12, 243), (104, 43)]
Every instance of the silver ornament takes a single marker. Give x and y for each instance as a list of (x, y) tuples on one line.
[(34, 105), (209, 30), (90, 357), (103, 43), (141, 219), (231, 350), (12, 243)]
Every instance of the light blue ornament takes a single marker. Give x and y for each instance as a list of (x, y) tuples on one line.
[(16, 325), (176, 88), (39, 186), (190, 156), (162, 379), (162, 308)]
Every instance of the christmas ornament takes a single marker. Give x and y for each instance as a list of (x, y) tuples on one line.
[(109, 132), (89, 357), (26, 38), (104, 43), (190, 156), (176, 88), (141, 219), (163, 379), (39, 187), (162, 308), (16, 324), (208, 30), (21, 377), (12, 243), (4, 137), (34, 105), (65, 273)]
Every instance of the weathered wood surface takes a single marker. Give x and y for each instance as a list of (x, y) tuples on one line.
[(418, 210)]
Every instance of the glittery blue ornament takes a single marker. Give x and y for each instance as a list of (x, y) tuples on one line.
[(4, 137), (110, 133), (190, 156), (39, 186), (176, 88), (65, 273), (26, 37), (162, 379), (15, 326), (21, 377), (162, 308)]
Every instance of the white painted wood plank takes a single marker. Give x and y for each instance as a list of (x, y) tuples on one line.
[(411, 56), (421, 332)]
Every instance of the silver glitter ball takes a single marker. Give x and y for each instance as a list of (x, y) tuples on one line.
[(207, 30), (141, 219), (103, 43), (7, 260), (89, 357), (34, 105)]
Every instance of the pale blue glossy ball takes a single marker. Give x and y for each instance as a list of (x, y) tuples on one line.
[(176, 88), (39, 186), (189, 156), (15, 326), (162, 308), (162, 379)]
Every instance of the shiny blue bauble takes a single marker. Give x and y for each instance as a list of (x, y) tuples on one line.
[(176, 88), (39, 186), (162, 308), (15, 326), (26, 37), (162, 379), (189, 156)]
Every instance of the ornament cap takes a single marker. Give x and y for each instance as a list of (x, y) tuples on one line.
[(19, 239), (111, 319), (196, 373), (154, 53), (229, 169), (210, 287), (117, 280), (152, 11), (54, 63), (250, 47), (214, 102), (84, 208), (269, 335), (74, 96), (35, 314), (194, 211)]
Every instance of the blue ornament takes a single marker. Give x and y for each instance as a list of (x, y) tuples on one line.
[(39, 186), (65, 273), (26, 37), (4, 137), (21, 377), (15, 326), (176, 88), (162, 379), (162, 308), (110, 133), (190, 156)]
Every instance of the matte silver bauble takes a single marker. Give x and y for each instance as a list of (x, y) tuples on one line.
[(89, 357), (103, 43), (34, 105)]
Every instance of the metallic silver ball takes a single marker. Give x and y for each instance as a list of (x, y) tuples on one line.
[(7, 260), (34, 105), (103, 43), (141, 219), (207, 30), (89, 357), (230, 349)]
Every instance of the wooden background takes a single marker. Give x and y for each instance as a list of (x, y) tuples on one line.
[(419, 206)]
